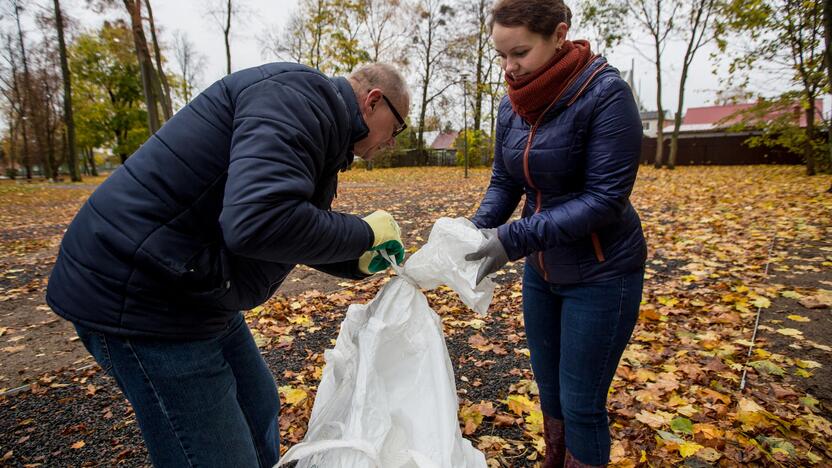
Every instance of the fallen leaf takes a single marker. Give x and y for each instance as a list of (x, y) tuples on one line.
[(807, 364), (78, 445), (654, 420), (687, 449), (790, 332), (291, 395), (816, 302), (681, 425), (519, 404), (708, 454), (767, 367)]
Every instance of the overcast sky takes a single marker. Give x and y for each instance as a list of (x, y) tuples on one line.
[(190, 16)]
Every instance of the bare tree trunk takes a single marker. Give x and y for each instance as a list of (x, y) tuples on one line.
[(423, 105), (167, 104), (84, 166), (827, 37), (134, 8), (25, 95), (91, 156), (71, 155), (677, 122), (808, 151), (50, 169), (482, 44), (660, 130), (226, 32), (12, 167)]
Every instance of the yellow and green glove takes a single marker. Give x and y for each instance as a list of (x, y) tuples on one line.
[(388, 237)]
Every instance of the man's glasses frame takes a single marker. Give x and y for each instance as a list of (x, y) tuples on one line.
[(399, 119)]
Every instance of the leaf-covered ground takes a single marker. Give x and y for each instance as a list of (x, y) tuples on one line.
[(675, 399)]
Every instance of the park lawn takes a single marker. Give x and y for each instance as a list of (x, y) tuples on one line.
[(711, 232)]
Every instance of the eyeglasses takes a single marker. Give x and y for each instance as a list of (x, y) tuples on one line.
[(399, 119)]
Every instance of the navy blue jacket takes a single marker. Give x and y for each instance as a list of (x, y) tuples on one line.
[(209, 216), (576, 166)]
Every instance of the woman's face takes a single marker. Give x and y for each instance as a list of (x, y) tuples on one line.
[(521, 51)]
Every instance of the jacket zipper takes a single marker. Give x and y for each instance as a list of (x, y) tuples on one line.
[(527, 173)]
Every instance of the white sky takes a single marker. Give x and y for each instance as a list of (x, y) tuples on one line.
[(190, 17)]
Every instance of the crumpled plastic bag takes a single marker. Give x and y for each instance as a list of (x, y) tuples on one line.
[(387, 397), (442, 261)]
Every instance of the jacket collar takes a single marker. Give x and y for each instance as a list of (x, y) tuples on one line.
[(358, 128), (579, 86)]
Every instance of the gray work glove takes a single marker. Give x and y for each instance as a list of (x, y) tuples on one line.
[(492, 251)]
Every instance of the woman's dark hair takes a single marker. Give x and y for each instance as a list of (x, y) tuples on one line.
[(538, 16)]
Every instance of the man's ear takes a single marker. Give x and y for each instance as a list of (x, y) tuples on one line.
[(373, 97)]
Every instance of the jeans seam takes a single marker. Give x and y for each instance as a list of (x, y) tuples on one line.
[(105, 348), (607, 360), (159, 401), (251, 431)]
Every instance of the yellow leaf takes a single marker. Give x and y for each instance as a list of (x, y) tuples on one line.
[(799, 318), (807, 364), (761, 353), (259, 339), (534, 422), (751, 414), (687, 449), (668, 301), (790, 332), (761, 302), (519, 404), (302, 320), (471, 418), (292, 396), (78, 445), (802, 373)]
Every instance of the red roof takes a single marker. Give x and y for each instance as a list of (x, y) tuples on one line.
[(444, 140), (714, 114)]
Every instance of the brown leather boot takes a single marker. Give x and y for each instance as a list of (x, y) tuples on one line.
[(572, 462), (555, 443)]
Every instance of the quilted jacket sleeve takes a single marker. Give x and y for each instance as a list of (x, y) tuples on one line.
[(612, 158), (283, 131), (503, 192)]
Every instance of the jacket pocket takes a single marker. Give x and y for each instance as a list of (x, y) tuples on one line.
[(207, 275)]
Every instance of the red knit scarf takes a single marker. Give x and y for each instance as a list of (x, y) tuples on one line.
[(532, 94)]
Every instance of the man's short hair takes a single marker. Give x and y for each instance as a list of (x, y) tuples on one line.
[(384, 77)]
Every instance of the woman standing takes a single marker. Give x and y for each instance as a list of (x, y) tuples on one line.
[(569, 138)]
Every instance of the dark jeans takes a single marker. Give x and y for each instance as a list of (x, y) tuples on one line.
[(198, 403), (576, 336)]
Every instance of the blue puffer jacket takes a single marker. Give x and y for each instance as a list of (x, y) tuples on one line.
[(209, 216), (577, 167)]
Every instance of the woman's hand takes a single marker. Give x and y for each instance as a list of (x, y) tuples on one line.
[(492, 251)]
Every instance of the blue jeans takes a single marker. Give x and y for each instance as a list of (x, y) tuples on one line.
[(198, 403), (576, 335)]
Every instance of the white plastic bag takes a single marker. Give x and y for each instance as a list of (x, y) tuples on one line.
[(442, 261), (387, 397)]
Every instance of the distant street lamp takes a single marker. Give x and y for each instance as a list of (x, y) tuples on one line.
[(464, 78)]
